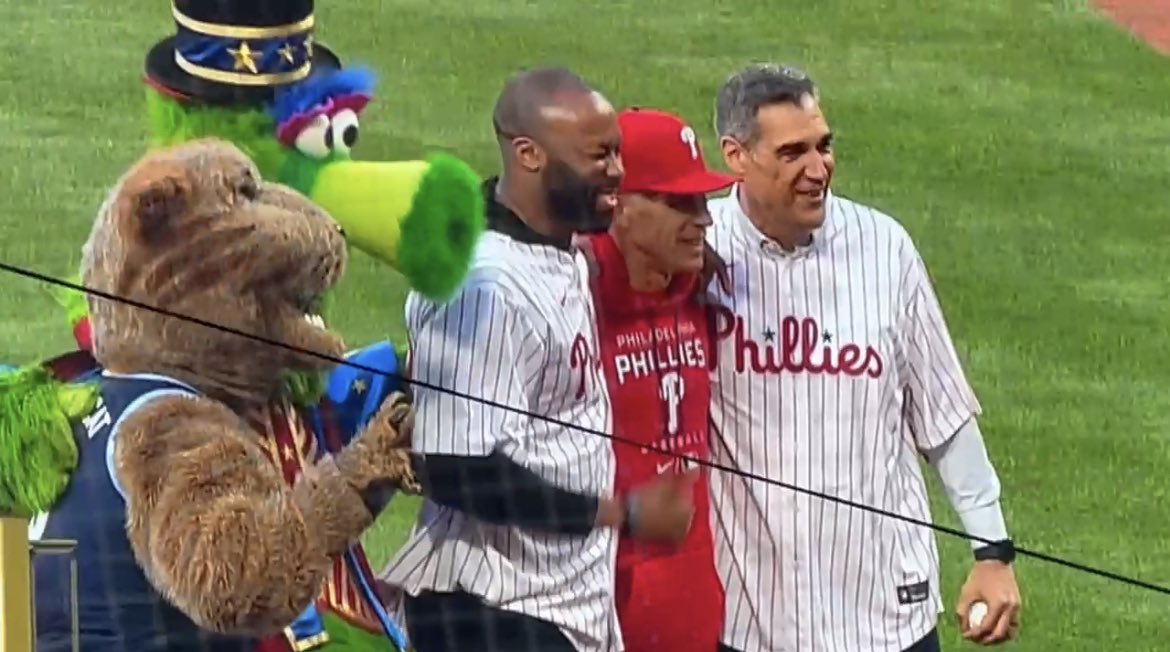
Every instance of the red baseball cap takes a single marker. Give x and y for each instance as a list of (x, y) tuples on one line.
[(661, 154)]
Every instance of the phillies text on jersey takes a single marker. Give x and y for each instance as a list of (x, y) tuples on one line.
[(654, 353), (834, 367)]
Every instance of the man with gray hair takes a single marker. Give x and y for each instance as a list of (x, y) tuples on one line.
[(835, 372)]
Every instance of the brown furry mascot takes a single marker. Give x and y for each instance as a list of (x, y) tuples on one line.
[(211, 512)]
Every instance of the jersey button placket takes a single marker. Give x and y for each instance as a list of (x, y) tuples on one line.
[(793, 543), (779, 260), (802, 570)]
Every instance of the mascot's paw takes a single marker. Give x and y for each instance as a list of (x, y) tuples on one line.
[(378, 463), (37, 450), (397, 413), (446, 218)]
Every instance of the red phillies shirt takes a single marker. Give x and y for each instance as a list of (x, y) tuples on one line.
[(655, 352)]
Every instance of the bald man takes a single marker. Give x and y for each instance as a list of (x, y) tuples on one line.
[(559, 144), (514, 548)]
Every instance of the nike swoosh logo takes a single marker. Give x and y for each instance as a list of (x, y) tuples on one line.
[(664, 467)]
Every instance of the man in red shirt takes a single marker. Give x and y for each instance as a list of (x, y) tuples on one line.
[(656, 350)]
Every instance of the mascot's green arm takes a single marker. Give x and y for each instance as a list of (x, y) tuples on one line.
[(423, 218), (37, 450)]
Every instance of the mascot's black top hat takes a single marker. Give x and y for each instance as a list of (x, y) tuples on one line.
[(237, 52)]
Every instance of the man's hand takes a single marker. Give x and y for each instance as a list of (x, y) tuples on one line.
[(662, 509), (994, 583)]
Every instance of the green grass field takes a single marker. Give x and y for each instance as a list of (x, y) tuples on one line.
[(1026, 145)]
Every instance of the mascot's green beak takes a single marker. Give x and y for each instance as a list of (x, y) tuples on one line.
[(421, 217)]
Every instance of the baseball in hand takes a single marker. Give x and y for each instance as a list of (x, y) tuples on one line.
[(976, 614)]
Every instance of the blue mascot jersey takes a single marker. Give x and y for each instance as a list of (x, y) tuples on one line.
[(118, 610)]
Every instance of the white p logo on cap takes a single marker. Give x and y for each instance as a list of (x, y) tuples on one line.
[(687, 135)]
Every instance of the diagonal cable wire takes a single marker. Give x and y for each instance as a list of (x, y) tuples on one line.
[(1027, 552)]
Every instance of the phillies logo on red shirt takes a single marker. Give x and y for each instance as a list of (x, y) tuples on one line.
[(582, 360), (671, 390), (799, 346)]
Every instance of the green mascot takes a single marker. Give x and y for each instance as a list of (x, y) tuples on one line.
[(250, 72)]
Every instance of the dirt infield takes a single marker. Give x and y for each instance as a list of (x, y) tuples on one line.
[(1147, 19)]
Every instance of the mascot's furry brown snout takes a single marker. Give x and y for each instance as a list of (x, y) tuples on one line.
[(194, 231)]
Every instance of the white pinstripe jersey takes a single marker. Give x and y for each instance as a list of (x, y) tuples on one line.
[(835, 368), (520, 334)]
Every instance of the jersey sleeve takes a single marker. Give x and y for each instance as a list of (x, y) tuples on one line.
[(466, 370), (939, 400)]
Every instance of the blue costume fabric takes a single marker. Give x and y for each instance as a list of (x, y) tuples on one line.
[(118, 609)]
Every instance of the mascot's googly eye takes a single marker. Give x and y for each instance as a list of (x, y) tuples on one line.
[(316, 139), (345, 130)]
